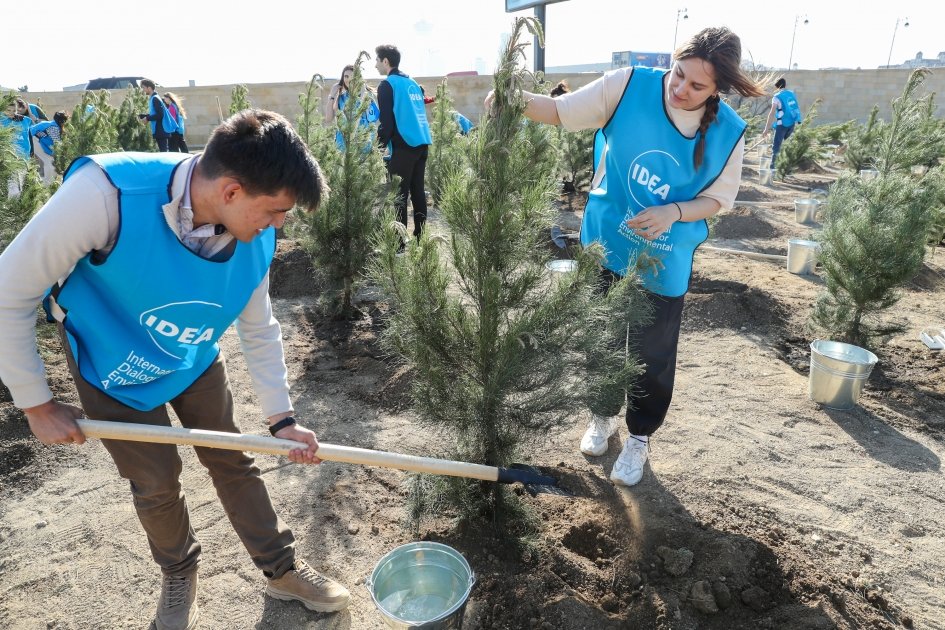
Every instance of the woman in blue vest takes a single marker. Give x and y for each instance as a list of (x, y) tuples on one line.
[(672, 156), (179, 114), (782, 117), (338, 97), (45, 135)]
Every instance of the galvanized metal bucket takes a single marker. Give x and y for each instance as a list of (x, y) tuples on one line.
[(868, 173), (805, 210), (422, 585), (561, 266), (838, 372), (802, 256), (765, 176)]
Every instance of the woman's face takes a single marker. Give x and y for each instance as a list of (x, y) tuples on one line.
[(346, 78), (167, 100), (691, 83)]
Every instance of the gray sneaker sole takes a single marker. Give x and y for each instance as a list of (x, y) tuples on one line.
[(325, 607), (193, 622)]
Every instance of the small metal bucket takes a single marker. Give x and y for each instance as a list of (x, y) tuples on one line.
[(561, 266), (805, 210), (838, 372), (765, 176), (919, 169), (422, 585), (868, 173), (763, 150), (802, 256)]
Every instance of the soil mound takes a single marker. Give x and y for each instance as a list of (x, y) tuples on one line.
[(743, 222)]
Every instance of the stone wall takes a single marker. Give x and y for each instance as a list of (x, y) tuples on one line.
[(845, 94)]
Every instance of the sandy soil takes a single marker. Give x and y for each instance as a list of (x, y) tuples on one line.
[(760, 510)]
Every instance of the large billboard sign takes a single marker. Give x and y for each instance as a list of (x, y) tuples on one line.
[(511, 6)]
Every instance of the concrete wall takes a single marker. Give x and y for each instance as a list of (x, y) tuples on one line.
[(846, 95)]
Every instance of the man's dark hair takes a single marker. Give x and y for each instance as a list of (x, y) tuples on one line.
[(780, 83), (148, 83), (390, 53), (261, 150), (60, 118)]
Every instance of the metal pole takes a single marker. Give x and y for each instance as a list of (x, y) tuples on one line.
[(889, 58), (794, 35), (539, 51)]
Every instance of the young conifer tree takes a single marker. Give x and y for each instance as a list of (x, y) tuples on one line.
[(445, 152), (16, 212), (239, 99), (875, 231), (503, 350), (577, 160), (339, 236), (861, 141), (89, 130), (132, 135)]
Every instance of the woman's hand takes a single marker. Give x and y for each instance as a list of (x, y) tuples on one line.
[(654, 221), (308, 446)]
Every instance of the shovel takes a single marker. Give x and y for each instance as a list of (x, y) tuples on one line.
[(532, 479)]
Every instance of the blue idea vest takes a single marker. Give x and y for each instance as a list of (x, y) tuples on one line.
[(649, 163), (39, 131), (371, 116), (790, 113), (409, 111), (167, 122), (144, 323)]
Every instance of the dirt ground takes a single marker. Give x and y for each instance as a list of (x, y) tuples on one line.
[(760, 509)]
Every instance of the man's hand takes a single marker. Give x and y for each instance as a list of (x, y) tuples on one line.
[(298, 433), (53, 422)]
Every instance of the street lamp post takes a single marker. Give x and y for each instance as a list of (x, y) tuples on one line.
[(797, 18), (685, 15), (905, 24)]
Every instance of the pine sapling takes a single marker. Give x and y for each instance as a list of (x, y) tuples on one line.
[(239, 99), (502, 350), (445, 153), (803, 150), (89, 130), (132, 134), (339, 236)]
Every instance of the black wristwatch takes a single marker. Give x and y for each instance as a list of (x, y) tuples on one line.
[(285, 422)]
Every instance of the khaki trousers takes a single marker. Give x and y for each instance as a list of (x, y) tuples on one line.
[(153, 471)]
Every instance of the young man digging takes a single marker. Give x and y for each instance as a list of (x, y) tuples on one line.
[(140, 310)]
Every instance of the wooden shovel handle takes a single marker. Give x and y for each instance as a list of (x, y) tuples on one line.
[(276, 446)]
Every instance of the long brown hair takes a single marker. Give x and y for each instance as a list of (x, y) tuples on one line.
[(723, 49)]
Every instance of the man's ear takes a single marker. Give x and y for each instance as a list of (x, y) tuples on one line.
[(230, 189)]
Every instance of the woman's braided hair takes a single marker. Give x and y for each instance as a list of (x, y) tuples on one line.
[(723, 50)]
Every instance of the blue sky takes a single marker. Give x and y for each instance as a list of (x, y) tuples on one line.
[(214, 43)]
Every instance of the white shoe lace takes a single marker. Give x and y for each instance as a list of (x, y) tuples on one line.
[(176, 590), (308, 574)]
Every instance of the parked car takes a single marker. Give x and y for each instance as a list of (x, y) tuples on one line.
[(113, 83)]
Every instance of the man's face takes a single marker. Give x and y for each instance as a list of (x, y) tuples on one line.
[(383, 66), (246, 216), (148, 90)]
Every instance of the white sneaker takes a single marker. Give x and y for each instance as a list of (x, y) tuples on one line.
[(628, 469), (598, 432)]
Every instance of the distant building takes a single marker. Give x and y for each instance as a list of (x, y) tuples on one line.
[(626, 58), (920, 62), (578, 67)]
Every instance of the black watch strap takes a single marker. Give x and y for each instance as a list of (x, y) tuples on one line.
[(285, 422)]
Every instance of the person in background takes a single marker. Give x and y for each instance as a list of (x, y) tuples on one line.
[(561, 88), (338, 98), (404, 128), (179, 114), (674, 150), (203, 230), (17, 119), (783, 116), (45, 135), (163, 126)]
